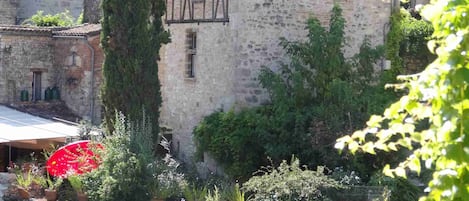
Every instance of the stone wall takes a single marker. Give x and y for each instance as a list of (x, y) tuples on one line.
[(229, 56), (20, 55), (187, 100), (28, 8), (75, 75), (92, 11), (8, 11)]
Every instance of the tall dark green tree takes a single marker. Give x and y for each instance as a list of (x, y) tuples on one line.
[(132, 34)]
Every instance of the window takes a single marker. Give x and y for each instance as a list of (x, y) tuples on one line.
[(74, 58), (191, 53)]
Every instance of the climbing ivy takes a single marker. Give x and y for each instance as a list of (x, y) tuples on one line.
[(407, 39)]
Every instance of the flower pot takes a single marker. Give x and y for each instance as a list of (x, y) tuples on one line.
[(23, 193), (82, 196), (51, 195)]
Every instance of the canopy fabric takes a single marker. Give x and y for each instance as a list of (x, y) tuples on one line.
[(17, 126)]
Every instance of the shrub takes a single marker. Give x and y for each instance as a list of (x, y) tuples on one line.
[(169, 182), (289, 182), (126, 172), (60, 19)]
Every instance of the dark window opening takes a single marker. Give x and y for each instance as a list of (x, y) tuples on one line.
[(37, 86), (192, 51)]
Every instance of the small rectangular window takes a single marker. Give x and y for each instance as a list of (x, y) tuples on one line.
[(191, 53)]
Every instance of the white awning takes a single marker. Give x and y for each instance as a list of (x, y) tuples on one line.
[(22, 127)]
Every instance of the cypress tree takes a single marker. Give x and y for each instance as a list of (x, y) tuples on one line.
[(131, 37)]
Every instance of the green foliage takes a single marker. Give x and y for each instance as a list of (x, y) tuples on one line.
[(407, 38), (416, 35), (401, 189), (289, 182), (316, 98), (61, 19), (126, 171), (213, 195), (431, 119), (193, 193), (80, 18), (24, 179), (76, 182), (232, 140), (131, 37), (233, 193), (169, 182)]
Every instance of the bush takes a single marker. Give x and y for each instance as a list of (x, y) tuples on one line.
[(126, 172), (289, 182), (60, 19)]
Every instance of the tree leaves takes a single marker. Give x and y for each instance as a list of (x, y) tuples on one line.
[(438, 100)]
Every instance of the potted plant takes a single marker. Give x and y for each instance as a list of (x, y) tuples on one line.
[(23, 183), (77, 185), (50, 186)]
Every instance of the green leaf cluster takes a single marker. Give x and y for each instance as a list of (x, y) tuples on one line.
[(432, 118), (407, 39), (60, 19)]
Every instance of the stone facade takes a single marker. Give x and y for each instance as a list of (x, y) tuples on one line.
[(230, 55), (227, 58), (21, 55), (79, 81), (63, 58)]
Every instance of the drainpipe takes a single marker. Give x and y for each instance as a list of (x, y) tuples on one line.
[(87, 43)]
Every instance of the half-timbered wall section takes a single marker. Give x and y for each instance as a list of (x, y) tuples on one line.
[(196, 11)]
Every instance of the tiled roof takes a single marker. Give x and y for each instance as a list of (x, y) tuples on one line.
[(82, 30), (21, 28)]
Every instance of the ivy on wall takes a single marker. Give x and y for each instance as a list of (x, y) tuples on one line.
[(407, 39)]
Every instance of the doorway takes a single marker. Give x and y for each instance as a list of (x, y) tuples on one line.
[(37, 86)]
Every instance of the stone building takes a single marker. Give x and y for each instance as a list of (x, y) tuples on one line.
[(219, 46), (34, 59)]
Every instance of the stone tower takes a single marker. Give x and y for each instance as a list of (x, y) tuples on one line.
[(91, 11), (8, 9)]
